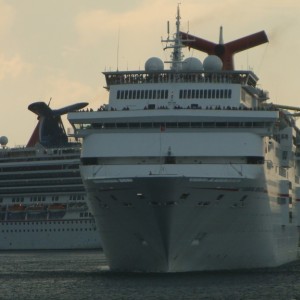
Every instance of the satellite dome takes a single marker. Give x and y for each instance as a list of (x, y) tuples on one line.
[(192, 64), (212, 63), (154, 64), (3, 140)]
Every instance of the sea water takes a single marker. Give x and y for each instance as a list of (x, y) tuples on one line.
[(85, 275)]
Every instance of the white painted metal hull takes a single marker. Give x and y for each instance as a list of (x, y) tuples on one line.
[(49, 235), (171, 223)]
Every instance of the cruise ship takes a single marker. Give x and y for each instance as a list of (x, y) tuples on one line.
[(43, 203), (190, 167)]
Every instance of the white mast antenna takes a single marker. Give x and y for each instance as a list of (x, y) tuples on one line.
[(176, 56), (118, 45), (221, 40)]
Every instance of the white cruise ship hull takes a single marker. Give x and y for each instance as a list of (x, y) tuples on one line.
[(190, 169), (47, 235), (177, 223)]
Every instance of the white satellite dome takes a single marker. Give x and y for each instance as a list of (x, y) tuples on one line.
[(154, 64), (192, 64), (3, 140), (212, 63)]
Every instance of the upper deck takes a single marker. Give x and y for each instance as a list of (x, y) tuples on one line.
[(190, 92), (245, 78), (172, 88)]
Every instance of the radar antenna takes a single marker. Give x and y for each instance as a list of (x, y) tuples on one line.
[(176, 44)]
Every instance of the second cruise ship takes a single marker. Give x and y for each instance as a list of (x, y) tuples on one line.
[(43, 204)]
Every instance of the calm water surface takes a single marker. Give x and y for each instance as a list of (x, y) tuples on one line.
[(84, 275)]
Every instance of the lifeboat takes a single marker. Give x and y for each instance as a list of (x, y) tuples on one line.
[(16, 212), (16, 208), (56, 211), (57, 207), (36, 209)]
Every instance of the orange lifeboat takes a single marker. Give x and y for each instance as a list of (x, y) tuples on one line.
[(16, 208), (57, 207), (36, 209)]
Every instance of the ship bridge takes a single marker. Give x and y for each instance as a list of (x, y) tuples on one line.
[(136, 90)]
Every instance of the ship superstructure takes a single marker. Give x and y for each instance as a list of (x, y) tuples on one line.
[(190, 168), (43, 203)]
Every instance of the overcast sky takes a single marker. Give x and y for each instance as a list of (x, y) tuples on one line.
[(58, 49)]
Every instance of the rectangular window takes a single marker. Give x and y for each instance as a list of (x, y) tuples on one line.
[(166, 94), (142, 94), (193, 94), (189, 94), (221, 94), (180, 94), (146, 125), (217, 94), (118, 94), (213, 94), (205, 94), (233, 124), (122, 125), (154, 94), (209, 94), (138, 94), (133, 94), (196, 124), (171, 125), (184, 94), (160, 94), (197, 94), (183, 124), (209, 124)]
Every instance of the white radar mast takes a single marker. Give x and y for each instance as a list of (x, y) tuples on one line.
[(175, 44)]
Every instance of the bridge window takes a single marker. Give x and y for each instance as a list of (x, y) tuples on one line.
[(154, 94), (180, 94)]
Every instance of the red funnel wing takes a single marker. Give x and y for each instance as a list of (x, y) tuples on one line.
[(225, 51), (197, 43)]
